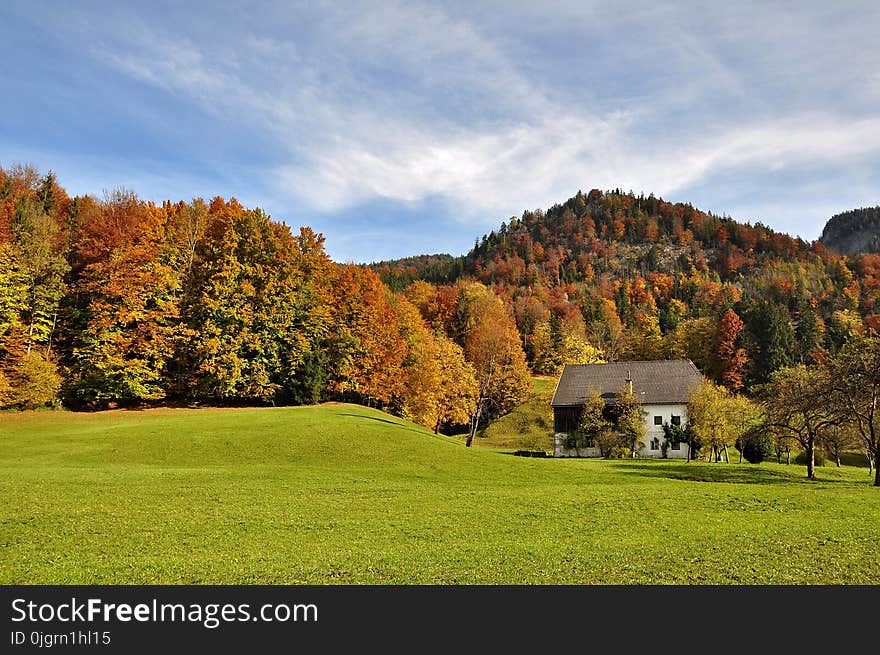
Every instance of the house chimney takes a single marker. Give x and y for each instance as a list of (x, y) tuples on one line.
[(629, 381)]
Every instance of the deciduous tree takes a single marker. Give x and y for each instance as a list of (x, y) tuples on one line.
[(594, 429), (709, 417), (629, 419), (854, 377), (797, 406), (732, 359), (492, 345)]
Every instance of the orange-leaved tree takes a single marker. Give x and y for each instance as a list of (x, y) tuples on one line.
[(491, 343), (731, 358)]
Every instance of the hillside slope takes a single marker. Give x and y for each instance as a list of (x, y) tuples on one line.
[(528, 427), (343, 494)]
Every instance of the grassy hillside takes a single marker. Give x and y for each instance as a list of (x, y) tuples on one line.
[(344, 494), (528, 427)]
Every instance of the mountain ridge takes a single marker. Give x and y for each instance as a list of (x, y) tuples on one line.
[(853, 232)]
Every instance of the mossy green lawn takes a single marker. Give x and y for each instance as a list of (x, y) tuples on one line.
[(344, 494)]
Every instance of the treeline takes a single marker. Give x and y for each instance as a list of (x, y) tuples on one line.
[(118, 302), (637, 277), (400, 273)]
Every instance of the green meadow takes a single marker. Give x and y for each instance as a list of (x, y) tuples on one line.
[(344, 494)]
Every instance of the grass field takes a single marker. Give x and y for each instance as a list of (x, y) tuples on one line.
[(528, 427), (345, 494)]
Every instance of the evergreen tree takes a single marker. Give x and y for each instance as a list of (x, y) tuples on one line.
[(806, 332), (772, 341)]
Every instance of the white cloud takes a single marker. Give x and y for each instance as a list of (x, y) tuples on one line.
[(411, 102)]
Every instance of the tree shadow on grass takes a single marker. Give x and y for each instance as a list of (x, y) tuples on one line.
[(717, 472), (385, 420)]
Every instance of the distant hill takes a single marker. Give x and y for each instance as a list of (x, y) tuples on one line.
[(613, 233), (853, 232), (397, 273), (638, 277)]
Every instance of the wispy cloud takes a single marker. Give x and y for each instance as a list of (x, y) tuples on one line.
[(485, 110)]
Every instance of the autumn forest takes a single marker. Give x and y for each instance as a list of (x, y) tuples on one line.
[(116, 301)]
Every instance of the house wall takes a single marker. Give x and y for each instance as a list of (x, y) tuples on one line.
[(666, 412), (565, 419), (655, 432)]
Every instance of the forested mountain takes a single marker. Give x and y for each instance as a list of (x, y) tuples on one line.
[(853, 232), (637, 277)]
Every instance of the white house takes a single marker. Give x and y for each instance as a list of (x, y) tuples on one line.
[(663, 387)]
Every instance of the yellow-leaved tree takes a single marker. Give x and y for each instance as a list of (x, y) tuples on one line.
[(492, 345), (440, 388)]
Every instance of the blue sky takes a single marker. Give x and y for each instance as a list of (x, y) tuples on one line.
[(400, 128)]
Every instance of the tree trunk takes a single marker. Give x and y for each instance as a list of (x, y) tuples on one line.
[(51, 334), (877, 468), (475, 422), (689, 451), (788, 456), (837, 457), (726, 455), (778, 456), (741, 454), (811, 461), (33, 312)]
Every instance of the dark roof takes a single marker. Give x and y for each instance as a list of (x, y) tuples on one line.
[(657, 382)]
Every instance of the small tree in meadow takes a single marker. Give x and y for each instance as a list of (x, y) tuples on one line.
[(756, 446), (630, 420), (709, 416), (839, 438), (720, 419), (593, 428), (746, 418), (782, 444), (854, 379), (797, 404)]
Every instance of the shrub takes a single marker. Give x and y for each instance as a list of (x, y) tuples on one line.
[(611, 445), (757, 448), (36, 382), (818, 455)]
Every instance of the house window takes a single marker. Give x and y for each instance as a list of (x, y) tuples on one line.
[(676, 445), (676, 420), (658, 420), (571, 442), (655, 444)]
